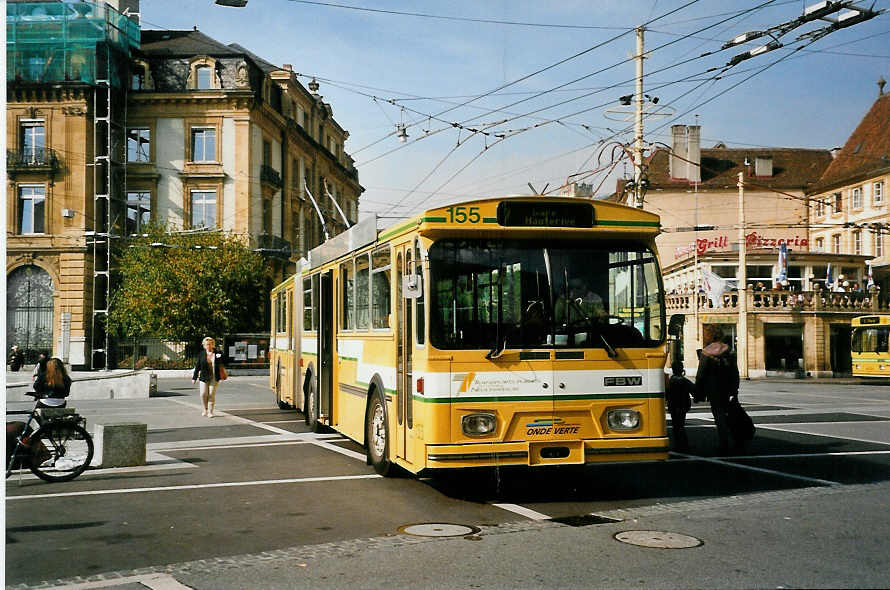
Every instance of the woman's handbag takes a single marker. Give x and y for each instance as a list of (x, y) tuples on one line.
[(223, 375), (740, 424)]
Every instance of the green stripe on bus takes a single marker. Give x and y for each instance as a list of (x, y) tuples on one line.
[(348, 358), (489, 220), (307, 353), (537, 398), (397, 230), (435, 219), (616, 222), (386, 389)]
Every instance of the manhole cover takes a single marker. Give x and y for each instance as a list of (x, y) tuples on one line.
[(658, 539), (438, 529)]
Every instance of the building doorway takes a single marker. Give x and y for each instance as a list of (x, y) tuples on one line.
[(783, 344), (841, 363), (29, 311)]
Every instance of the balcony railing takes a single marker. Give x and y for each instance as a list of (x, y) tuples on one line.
[(33, 160), (269, 245), (270, 175), (782, 301)]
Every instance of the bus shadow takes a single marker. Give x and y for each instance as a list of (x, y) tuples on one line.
[(773, 461)]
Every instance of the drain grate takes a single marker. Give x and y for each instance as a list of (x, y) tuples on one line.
[(585, 520), (438, 529)]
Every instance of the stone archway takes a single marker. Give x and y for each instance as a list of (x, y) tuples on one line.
[(29, 311)]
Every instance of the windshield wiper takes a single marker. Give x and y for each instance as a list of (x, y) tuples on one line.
[(610, 350), (499, 345)]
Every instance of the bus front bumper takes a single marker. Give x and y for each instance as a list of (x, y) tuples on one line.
[(538, 453)]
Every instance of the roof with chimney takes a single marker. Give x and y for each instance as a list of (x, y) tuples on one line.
[(866, 153), (792, 168)]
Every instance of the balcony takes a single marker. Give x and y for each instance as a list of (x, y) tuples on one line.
[(782, 301), (269, 175), (274, 246), (36, 160)]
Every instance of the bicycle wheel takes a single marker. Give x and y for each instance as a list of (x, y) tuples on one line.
[(60, 451)]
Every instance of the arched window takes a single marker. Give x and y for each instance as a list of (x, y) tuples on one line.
[(29, 310)]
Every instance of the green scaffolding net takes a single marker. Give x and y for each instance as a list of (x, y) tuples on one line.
[(68, 41)]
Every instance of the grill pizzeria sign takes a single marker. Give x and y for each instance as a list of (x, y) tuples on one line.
[(752, 240)]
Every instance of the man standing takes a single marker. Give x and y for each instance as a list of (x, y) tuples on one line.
[(717, 380)]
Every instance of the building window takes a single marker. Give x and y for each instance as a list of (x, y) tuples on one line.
[(267, 216), (204, 77), (820, 244), (819, 207), (204, 208), (32, 209), (857, 242), (856, 197), (138, 211), (837, 203), (203, 144), (267, 153), (879, 243), (836, 243), (33, 141), (138, 145), (878, 192)]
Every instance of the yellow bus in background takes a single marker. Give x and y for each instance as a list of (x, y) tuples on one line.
[(871, 346), (520, 331)]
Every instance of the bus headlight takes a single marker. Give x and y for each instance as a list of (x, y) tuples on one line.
[(478, 424), (623, 419)]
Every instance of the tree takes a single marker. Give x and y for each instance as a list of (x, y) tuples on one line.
[(184, 286)]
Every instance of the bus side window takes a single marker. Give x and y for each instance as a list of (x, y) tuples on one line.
[(419, 323)]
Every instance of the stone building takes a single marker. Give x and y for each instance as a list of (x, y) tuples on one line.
[(109, 127), (849, 211)]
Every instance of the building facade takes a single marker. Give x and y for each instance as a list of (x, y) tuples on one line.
[(110, 127), (849, 210)]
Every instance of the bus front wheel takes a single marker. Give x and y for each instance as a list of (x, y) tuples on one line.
[(310, 410), (377, 436)]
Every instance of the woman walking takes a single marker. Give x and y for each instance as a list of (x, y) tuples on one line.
[(210, 371)]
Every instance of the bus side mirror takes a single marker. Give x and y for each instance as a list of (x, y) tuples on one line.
[(412, 286), (675, 326)]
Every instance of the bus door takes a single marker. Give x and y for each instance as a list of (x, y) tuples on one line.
[(404, 436), (326, 346)]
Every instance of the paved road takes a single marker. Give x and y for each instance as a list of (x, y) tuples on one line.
[(251, 499)]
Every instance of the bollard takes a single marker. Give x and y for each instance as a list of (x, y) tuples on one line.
[(120, 444)]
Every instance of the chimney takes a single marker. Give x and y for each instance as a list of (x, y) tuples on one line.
[(693, 153), (763, 166), (676, 165), (881, 82), (834, 152), (288, 67)]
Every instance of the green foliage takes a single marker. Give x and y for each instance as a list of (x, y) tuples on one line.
[(187, 286)]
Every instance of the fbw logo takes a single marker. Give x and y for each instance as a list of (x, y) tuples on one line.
[(622, 381)]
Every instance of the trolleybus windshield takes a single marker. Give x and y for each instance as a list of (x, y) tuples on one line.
[(871, 339), (496, 294)]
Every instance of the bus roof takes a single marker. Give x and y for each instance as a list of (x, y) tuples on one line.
[(532, 215)]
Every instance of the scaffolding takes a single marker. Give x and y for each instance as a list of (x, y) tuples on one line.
[(84, 43)]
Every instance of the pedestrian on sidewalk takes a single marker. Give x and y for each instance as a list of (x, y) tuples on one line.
[(54, 384), (16, 359), (679, 400), (39, 367), (717, 380), (209, 369)]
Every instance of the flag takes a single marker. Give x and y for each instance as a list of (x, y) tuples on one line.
[(783, 264), (714, 287), (829, 279), (871, 282)]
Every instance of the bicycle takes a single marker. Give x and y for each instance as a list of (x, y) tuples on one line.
[(59, 449)]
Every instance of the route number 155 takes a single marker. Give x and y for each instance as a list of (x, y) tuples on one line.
[(463, 215)]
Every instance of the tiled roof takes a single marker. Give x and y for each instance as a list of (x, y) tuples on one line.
[(866, 153), (184, 43), (260, 62), (792, 167)]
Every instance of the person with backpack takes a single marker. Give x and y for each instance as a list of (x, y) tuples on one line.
[(54, 384), (717, 380), (679, 400)]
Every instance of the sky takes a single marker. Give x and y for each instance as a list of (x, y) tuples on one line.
[(496, 94)]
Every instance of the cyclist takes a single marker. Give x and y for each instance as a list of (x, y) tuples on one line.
[(53, 384)]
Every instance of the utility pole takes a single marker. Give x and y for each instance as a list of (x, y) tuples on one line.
[(742, 328), (638, 125)]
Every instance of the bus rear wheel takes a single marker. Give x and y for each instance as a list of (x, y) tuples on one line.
[(377, 436), (310, 410)]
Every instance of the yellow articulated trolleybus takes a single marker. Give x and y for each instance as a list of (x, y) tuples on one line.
[(508, 331), (871, 346)]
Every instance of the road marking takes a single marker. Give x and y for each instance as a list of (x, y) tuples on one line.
[(224, 414), (280, 421), (250, 445), (522, 511), (152, 581), (785, 428), (723, 461), (232, 484), (341, 450)]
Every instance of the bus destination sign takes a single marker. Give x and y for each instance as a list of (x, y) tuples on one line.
[(531, 214)]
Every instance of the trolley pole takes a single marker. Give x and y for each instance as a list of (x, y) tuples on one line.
[(742, 329), (638, 125)]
